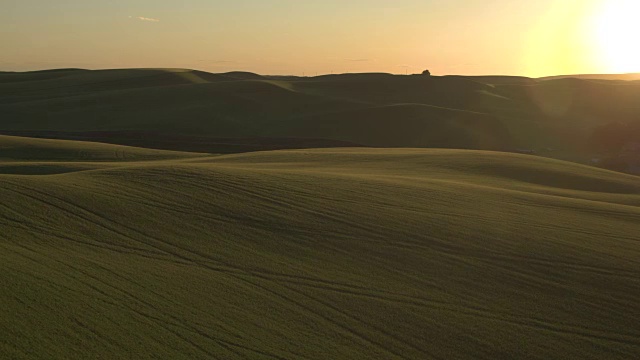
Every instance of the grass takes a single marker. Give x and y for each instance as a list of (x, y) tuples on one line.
[(334, 253), (29, 149)]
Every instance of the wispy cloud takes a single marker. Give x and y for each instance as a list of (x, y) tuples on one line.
[(219, 61), (359, 60), (142, 18), (212, 63)]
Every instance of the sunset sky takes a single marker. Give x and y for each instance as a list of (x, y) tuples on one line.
[(532, 38)]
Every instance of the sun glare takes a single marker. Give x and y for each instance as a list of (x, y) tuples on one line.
[(615, 31)]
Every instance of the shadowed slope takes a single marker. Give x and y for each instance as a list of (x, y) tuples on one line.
[(559, 118), (222, 109), (20, 87), (246, 105), (13, 148), (9, 77), (351, 253), (347, 110), (405, 125), (386, 89)]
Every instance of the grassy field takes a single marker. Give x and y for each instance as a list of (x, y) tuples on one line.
[(243, 112), (117, 252)]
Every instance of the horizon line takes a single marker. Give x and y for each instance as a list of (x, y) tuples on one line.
[(317, 74)]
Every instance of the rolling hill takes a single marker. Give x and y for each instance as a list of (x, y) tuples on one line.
[(234, 112), (14, 149), (622, 77), (328, 253), (236, 105)]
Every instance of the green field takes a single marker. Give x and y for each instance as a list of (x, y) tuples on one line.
[(113, 252)]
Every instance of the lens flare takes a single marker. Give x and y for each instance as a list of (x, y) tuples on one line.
[(557, 43)]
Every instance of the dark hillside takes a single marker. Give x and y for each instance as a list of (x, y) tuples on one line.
[(557, 117), (245, 106)]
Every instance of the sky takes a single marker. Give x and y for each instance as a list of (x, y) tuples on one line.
[(308, 37)]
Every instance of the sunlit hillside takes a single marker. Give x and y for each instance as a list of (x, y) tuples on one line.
[(335, 253)]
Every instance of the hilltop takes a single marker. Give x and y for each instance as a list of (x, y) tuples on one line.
[(621, 77)]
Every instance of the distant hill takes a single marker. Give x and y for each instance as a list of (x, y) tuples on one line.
[(242, 105), (557, 117), (622, 77), (501, 80)]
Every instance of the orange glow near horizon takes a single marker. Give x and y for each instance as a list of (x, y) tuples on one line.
[(580, 36), (291, 37)]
